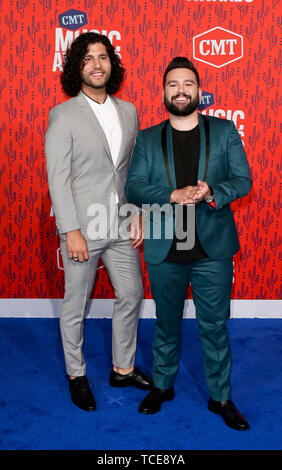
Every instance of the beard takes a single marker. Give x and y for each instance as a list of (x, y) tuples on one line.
[(90, 81), (97, 86), (179, 110)]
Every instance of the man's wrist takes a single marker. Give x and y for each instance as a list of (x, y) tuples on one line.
[(73, 231), (210, 197), (172, 196)]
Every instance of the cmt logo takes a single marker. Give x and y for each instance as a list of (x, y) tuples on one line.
[(73, 19), (218, 47), (207, 100)]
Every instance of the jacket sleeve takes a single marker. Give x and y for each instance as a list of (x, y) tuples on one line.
[(58, 151), (238, 184), (139, 189)]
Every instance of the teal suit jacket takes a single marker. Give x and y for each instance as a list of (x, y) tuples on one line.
[(228, 174)]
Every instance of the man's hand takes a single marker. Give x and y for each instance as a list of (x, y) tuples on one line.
[(77, 246), (202, 192), (183, 195), (191, 194), (137, 230)]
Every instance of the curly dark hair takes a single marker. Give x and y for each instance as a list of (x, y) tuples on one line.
[(70, 77)]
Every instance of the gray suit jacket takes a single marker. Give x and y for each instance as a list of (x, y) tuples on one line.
[(79, 163)]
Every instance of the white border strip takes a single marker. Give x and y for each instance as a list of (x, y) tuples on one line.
[(102, 308)]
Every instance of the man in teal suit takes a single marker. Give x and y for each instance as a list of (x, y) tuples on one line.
[(196, 163)]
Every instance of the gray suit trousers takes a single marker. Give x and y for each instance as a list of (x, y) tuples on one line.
[(124, 268)]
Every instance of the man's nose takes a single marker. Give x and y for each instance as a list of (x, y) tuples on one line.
[(97, 63), (181, 88)]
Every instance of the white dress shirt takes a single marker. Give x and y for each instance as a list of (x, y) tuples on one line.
[(107, 116)]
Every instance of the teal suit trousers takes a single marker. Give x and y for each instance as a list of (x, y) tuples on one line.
[(211, 283)]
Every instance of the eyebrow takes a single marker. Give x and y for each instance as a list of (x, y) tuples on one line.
[(104, 54), (187, 80)]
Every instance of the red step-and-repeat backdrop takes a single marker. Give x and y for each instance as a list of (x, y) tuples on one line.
[(235, 46)]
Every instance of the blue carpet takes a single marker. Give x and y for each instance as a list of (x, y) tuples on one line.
[(37, 413)]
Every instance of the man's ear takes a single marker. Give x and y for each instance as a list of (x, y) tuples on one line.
[(200, 93)]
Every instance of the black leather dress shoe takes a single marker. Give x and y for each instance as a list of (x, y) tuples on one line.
[(135, 378), (153, 401), (231, 415), (81, 394)]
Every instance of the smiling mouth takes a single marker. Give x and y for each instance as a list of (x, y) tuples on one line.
[(97, 74), (181, 99)]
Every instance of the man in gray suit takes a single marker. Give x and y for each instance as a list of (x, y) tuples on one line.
[(88, 147)]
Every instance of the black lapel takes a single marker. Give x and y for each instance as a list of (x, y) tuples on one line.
[(165, 155), (207, 134)]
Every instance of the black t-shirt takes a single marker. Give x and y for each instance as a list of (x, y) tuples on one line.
[(186, 149)]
